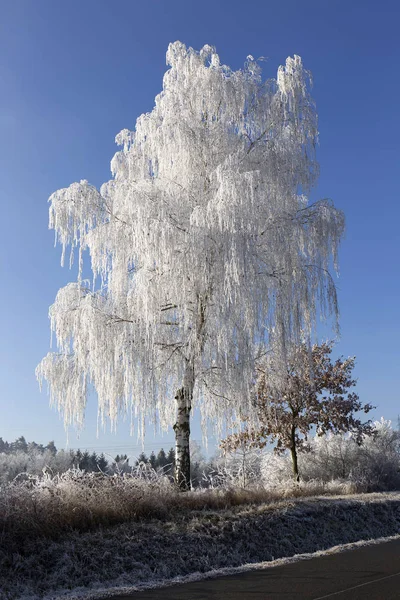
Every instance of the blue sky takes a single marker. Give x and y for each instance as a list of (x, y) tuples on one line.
[(73, 74)]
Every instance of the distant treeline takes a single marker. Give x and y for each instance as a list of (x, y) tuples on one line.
[(21, 445), (76, 458), (31, 457)]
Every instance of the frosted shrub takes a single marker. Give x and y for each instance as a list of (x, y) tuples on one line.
[(330, 457), (373, 465), (32, 463), (61, 462), (277, 477), (120, 467), (275, 469), (337, 460), (378, 461), (12, 465), (236, 469)]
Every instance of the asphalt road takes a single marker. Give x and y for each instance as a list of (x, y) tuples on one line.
[(367, 573)]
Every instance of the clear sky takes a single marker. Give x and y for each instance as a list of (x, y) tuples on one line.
[(73, 74)]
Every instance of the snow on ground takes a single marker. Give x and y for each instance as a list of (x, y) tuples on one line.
[(194, 545)]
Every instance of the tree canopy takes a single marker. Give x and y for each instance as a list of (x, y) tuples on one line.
[(202, 244), (316, 392)]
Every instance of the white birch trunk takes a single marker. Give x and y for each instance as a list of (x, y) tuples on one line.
[(183, 399)]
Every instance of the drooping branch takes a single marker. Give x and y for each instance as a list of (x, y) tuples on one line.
[(200, 245)]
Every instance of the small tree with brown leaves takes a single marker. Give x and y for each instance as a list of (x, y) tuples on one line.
[(314, 393)]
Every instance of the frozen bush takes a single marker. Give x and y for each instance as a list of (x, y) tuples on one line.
[(239, 468), (275, 469), (379, 458), (12, 465), (331, 457), (372, 466), (33, 463)]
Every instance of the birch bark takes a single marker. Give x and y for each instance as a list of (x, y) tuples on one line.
[(183, 399)]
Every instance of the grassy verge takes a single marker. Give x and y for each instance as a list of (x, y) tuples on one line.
[(61, 534), (51, 506)]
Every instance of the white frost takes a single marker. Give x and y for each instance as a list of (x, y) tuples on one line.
[(203, 245)]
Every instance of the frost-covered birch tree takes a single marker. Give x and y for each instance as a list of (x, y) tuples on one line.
[(202, 245)]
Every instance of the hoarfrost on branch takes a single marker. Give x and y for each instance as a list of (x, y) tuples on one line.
[(202, 246)]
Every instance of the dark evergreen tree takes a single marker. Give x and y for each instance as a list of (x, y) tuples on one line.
[(51, 448), (93, 463), (170, 464), (161, 459), (19, 445), (33, 447), (171, 456), (78, 459), (153, 460), (142, 458), (102, 462), (85, 462)]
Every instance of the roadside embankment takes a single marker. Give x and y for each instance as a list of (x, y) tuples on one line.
[(191, 541)]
